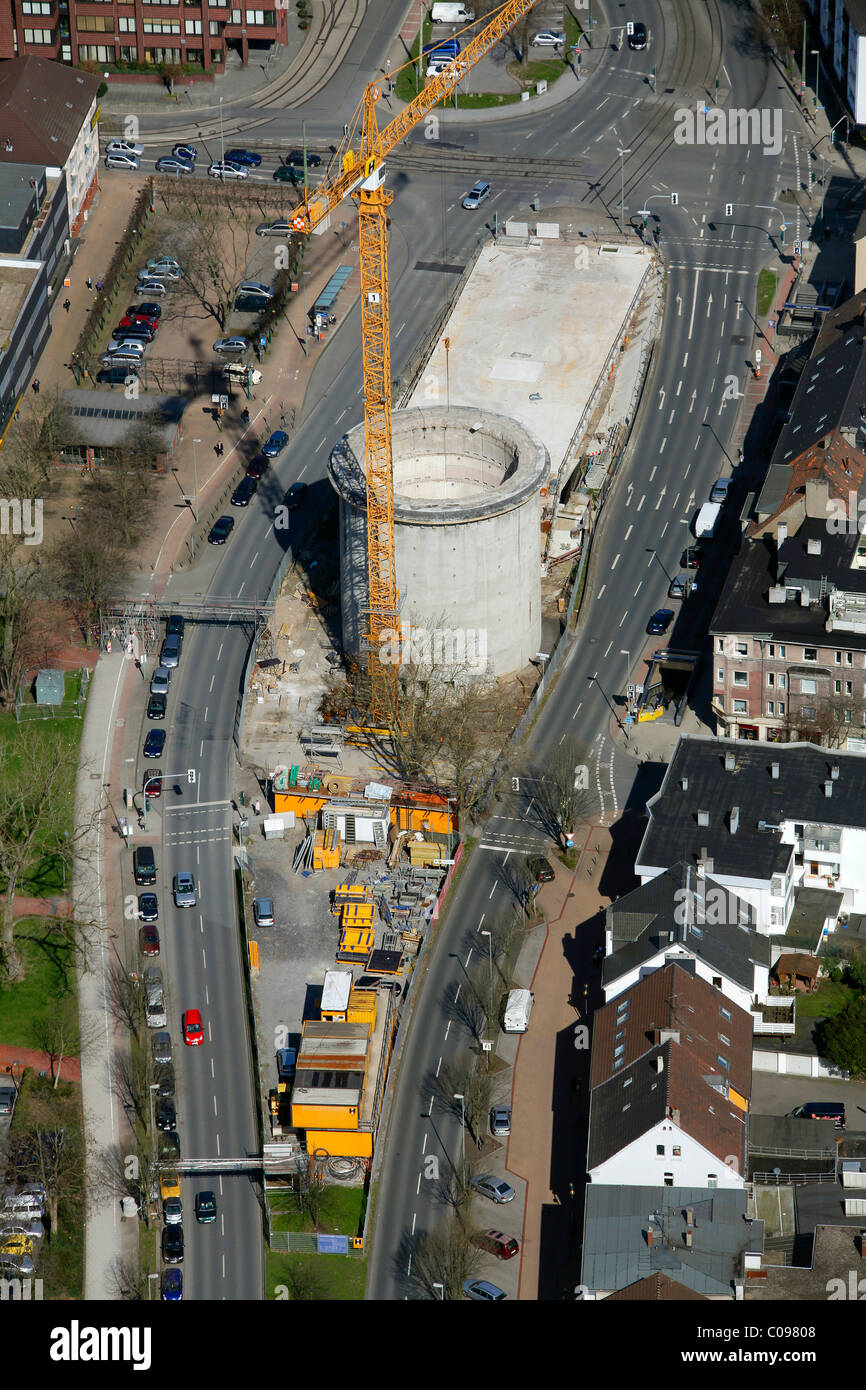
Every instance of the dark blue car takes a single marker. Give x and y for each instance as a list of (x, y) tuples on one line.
[(245, 158), (244, 491), (660, 621), (172, 1286), (154, 743), (275, 445)]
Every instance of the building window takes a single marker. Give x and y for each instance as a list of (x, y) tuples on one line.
[(849, 658), (777, 885), (35, 7), (161, 26), (214, 28), (660, 1150), (742, 649), (808, 686), (741, 707), (720, 644), (776, 917), (837, 688), (782, 650), (781, 682), (837, 657), (720, 675), (849, 687), (669, 1179), (771, 707), (38, 36), (781, 706), (126, 26), (726, 1013), (95, 24), (677, 1151), (236, 16), (741, 678), (712, 1179), (808, 711), (723, 1039), (847, 716), (95, 53), (771, 679), (127, 55), (810, 653), (192, 26)]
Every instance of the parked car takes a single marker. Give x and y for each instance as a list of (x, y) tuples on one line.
[(256, 287), (221, 530), (148, 940), (476, 195), (170, 653), (205, 1207), (167, 264), (263, 912), (122, 161), (160, 1046), (172, 1206), (169, 1185), (7, 1099), (483, 1290), (660, 621), (720, 489), (152, 980), (258, 467), (548, 38), (144, 864), (275, 444), (690, 558), (287, 1061), (187, 152), (244, 491), (16, 1266), (175, 625), (220, 170), (245, 158), (159, 681), (141, 332), (137, 321), (184, 889), (297, 157), (154, 1012), (166, 1119), (128, 346), (124, 147), (681, 586), (637, 39), (172, 1244), (500, 1120), (149, 285), (231, 347), (497, 1243), (172, 164), (172, 1286), (163, 1077), (118, 375), (156, 707), (147, 310), (287, 173), (148, 907), (169, 1145), (495, 1188), (282, 227), (193, 1030), (540, 869), (294, 498), (154, 743)]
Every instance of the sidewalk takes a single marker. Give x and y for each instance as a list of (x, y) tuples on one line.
[(70, 1067)]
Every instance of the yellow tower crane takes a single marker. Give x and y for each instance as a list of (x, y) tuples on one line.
[(360, 175)]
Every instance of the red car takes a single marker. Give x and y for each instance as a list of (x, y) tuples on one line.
[(193, 1032), (258, 466), (153, 783), (139, 321), (148, 940), (497, 1243)]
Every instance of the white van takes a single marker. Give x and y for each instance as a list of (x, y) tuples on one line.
[(518, 1007), (451, 14), (707, 520)]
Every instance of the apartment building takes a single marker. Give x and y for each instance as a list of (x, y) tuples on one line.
[(48, 116), (789, 631), (139, 33), (775, 827), (842, 28)]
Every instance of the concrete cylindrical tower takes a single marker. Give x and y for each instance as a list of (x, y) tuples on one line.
[(467, 514)]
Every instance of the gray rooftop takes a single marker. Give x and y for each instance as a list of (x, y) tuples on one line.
[(677, 908), (107, 419), (752, 852), (616, 1252), (830, 391), (835, 1254)]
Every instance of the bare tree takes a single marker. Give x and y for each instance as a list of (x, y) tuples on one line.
[(446, 1256), (117, 492), (127, 1281), (126, 999), (561, 788), (47, 1149), (132, 1079), (86, 566), (129, 1170), (19, 587), (57, 1033), (35, 436), (220, 238)]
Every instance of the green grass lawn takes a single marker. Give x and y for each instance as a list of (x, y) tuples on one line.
[(828, 1000), (41, 1106), (767, 281), (49, 737), (314, 1277), (47, 990), (340, 1210)]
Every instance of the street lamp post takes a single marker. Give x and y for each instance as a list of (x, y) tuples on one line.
[(441, 1288), (816, 53), (195, 442), (627, 655), (222, 140), (622, 154), (490, 998)]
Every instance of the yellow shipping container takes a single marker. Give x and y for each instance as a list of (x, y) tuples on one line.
[(340, 1117), (358, 1145)]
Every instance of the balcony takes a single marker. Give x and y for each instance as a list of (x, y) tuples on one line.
[(774, 1015)]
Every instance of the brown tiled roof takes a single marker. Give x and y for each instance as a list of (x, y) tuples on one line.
[(796, 963), (678, 1076), (43, 105), (656, 1288)]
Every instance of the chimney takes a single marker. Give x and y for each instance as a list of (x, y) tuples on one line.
[(735, 819), (834, 772), (675, 1115), (690, 1216), (730, 762), (817, 503), (703, 817), (781, 534), (688, 1239), (813, 546), (684, 783), (658, 1065), (828, 788), (774, 771), (650, 1235), (861, 1241)]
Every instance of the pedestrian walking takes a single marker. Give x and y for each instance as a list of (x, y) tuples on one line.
[(245, 416), (67, 304), (99, 287), (89, 282), (36, 384)]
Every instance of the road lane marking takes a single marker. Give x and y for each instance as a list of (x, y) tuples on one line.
[(615, 563), (253, 560), (212, 679), (628, 533), (601, 590), (220, 652)]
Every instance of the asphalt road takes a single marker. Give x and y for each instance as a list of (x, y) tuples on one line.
[(684, 438)]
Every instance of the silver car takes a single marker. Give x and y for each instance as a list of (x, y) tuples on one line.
[(279, 228), (494, 1188), (476, 195), (231, 347), (148, 285), (500, 1119), (184, 889), (220, 170), (159, 681)]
